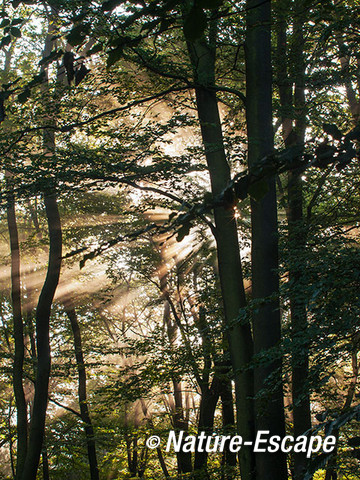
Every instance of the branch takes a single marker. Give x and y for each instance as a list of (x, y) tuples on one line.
[(69, 409)]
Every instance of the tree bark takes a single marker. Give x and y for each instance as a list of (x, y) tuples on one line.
[(21, 409), (228, 422), (293, 108), (208, 402), (84, 409), (264, 252), (202, 55), (43, 310), (297, 243)]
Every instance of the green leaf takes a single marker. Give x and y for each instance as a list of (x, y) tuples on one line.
[(354, 442), (110, 5), (15, 32), (5, 23), (332, 130), (354, 134), (95, 49), (37, 79), (77, 35), (114, 56), (324, 154), (195, 24), (16, 21), (258, 190), (23, 97), (50, 58), (183, 231), (5, 41), (210, 4)]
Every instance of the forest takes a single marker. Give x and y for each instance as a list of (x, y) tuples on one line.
[(179, 244)]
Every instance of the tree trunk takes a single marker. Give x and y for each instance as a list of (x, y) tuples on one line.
[(294, 107), (264, 251), (331, 473), (297, 243), (180, 423), (228, 422), (21, 410), (202, 56), (208, 402), (43, 310), (45, 462), (84, 410)]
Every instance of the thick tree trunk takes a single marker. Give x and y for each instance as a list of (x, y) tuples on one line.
[(230, 271), (84, 410), (265, 282), (21, 410), (43, 310)]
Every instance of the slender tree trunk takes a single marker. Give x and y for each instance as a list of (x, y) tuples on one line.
[(228, 422), (180, 422), (162, 463), (43, 310), (208, 402), (331, 473), (21, 409), (84, 409), (297, 243), (293, 108), (265, 282), (45, 462), (202, 55)]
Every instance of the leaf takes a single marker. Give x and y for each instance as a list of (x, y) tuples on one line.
[(354, 442), (15, 32), (110, 5), (183, 231), (36, 80), (23, 96), (51, 57), (95, 49), (165, 24), (80, 74), (195, 24), (354, 134), (258, 189), (332, 130), (209, 4), (4, 23), (77, 35), (16, 21), (345, 158), (5, 41), (324, 154), (114, 56)]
